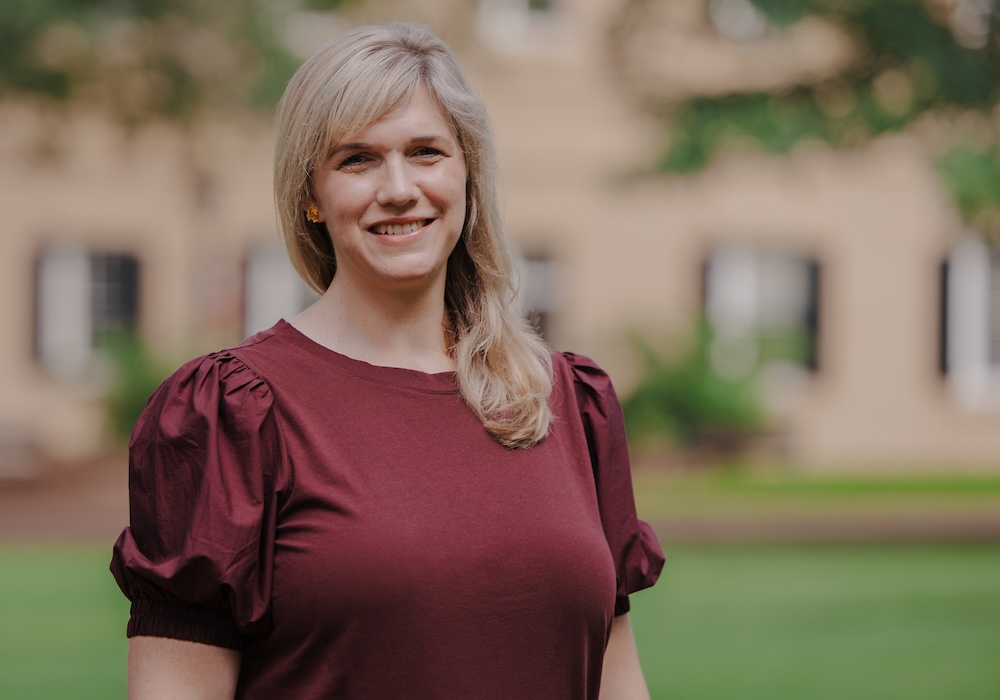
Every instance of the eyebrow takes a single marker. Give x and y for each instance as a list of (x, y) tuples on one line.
[(416, 140)]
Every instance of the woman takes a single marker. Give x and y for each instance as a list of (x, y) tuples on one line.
[(400, 493)]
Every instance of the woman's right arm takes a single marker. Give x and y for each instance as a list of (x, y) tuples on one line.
[(198, 553), (160, 668)]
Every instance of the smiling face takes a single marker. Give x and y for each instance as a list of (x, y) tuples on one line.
[(393, 198)]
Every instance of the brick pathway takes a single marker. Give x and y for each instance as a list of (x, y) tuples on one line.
[(90, 504), (82, 504)]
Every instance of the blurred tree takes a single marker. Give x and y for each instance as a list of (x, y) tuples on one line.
[(682, 397), (139, 60), (135, 374), (973, 177), (838, 71)]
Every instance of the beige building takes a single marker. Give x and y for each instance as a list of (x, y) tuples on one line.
[(873, 316)]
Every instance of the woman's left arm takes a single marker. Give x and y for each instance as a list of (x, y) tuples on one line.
[(622, 677)]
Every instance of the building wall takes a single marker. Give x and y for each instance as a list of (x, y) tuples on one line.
[(628, 251)]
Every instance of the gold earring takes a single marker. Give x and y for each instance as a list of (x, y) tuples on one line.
[(312, 214)]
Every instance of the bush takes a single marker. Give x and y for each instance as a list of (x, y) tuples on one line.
[(683, 399), (136, 373)]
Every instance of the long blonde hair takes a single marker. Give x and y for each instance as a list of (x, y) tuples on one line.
[(504, 370)]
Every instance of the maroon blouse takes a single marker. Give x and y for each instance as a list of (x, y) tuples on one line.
[(355, 531)]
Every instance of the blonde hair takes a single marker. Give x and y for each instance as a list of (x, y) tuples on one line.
[(504, 371)]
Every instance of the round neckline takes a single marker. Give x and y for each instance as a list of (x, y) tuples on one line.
[(439, 382)]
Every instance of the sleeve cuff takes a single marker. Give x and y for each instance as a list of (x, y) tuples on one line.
[(191, 623), (622, 605)]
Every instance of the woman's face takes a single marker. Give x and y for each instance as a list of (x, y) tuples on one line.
[(393, 198)]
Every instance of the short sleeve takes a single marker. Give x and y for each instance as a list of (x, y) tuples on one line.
[(637, 554), (197, 556)]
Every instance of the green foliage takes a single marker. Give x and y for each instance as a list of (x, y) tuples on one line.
[(911, 63), (324, 4), (784, 13), (704, 126), (136, 374), (908, 36), (145, 59), (973, 177), (684, 399), (793, 345)]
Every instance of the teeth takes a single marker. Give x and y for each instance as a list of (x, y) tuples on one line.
[(396, 229)]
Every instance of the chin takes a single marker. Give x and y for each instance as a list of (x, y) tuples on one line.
[(411, 279)]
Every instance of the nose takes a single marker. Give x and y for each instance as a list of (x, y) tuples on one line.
[(397, 186)]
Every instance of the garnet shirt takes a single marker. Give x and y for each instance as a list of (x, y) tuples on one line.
[(356, 533)]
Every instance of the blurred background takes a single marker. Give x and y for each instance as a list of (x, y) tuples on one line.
[(776, 223)]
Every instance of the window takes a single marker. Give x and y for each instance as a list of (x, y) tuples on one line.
[(272, 289), (82, 298), (970, 347), (763, 308), (737, 20), (972, 21), (517, 25), (537, 294)]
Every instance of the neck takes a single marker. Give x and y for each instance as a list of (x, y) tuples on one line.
[(389, 328)]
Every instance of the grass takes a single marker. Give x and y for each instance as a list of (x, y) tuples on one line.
[(747, 622), (823, 623), (746, 492), (63, 623)]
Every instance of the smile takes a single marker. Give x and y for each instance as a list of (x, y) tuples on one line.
[(397, 229)]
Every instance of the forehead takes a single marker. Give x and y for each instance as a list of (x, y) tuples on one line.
[(419, 115)]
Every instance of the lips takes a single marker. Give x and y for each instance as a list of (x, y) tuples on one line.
[(398, 229)]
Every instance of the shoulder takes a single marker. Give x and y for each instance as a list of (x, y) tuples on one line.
[(228, 370), (213, 377), (588, 378), (219, 390), (212, 422)]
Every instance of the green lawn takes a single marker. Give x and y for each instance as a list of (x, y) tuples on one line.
[(63, 623), (726, 623), (788, 492), (823, 623)]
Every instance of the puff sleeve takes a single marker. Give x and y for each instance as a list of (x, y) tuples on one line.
[(637, 554), (196, 559)]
